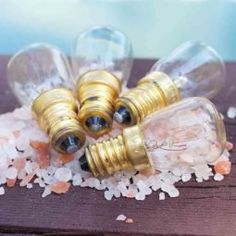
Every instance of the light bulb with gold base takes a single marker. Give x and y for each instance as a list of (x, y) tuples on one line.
[(40, 77), (193, 69), (102, 62), (191, 131)]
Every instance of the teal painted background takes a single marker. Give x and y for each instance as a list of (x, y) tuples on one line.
[(154, 26)]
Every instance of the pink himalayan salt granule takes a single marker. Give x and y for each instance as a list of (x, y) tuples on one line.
[(60, 187), (27, 179), (229, 146), (37, 163), (222, 167), (11, 183), (129, 221), (63, 158)]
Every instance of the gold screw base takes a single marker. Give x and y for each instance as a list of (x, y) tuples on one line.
[(56, 111), (96, 92), (153, 92), (124, 152)]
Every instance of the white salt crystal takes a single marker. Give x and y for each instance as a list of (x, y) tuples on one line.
[(143, 187), (28, 167), (63, 174), (3, 160), (47, 191), (108, 195), (11, 173), (140, 196), (186, 177), (2, 191), (170, 189), (218, 177), (231, 113), (162, 196), (29, 185), (121, 217), (123, 189), (76, 180)]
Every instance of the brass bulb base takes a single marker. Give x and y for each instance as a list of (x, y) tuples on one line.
[(153, 92), (97, 91), (56, 111), (124, 152)]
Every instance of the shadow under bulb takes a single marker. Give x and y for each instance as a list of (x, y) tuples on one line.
[(193, 69), (102, 62), (190, 131), (40, 77)]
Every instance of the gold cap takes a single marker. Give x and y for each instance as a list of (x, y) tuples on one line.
[(124, 152), (97, 91), (56, 111), (153, 92)]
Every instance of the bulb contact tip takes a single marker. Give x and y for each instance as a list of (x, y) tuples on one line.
[(122, 116)]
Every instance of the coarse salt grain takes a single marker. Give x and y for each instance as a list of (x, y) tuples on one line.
[(11, 173), (162, 196), (129, 221), (121, 217), (218, 177), (231, 113), (63, 174)]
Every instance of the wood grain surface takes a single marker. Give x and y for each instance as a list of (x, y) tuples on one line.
[(207, 208)]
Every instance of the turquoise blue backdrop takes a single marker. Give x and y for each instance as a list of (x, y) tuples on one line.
[(154, 26)]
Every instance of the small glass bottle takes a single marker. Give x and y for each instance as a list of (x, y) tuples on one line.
[(193, 69), (191, 131), (102, 61)]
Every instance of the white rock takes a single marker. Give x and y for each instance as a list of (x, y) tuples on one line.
[(63, 174), (218, 177), (231, 113)]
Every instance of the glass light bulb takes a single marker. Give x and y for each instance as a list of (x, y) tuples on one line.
[(103, 48), (196, 69), (102, 61), (193, 69), (190, 132), (36, 69), (40, 77)]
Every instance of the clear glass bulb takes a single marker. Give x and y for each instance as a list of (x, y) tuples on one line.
[(196, 69), (193, 69), (36, 69), (102, 61), (40, 77), (190, 132), (103, 48)]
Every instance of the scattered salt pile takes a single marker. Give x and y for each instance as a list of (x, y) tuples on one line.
[(26, 157)]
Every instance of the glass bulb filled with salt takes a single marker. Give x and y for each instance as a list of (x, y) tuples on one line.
[(102, 61), (191, 132), (40, 77), (193, 69)]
